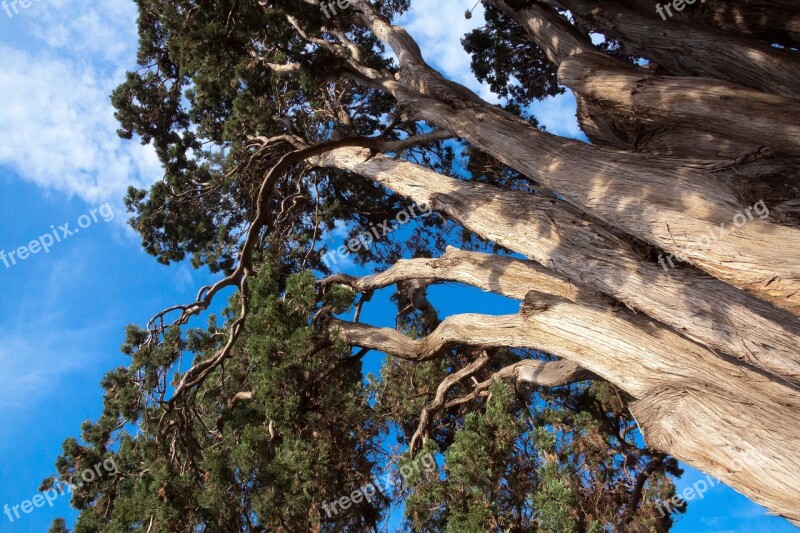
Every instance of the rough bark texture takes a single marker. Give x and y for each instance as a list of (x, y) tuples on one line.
[(682, 388), (689, 50), (672, 208), (549, 232), (506, 276), (680, 203), (666, 202), (603, 128), (724, 108), (628, 130), (772, 21)]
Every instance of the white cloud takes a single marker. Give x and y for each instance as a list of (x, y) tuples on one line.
[(103, 30), (558, 115), (60, 132), (438, 27)]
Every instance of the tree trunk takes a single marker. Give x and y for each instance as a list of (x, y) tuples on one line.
[(724, 108), (603, 128), (771, 21), (690, 50), (681, 203), (618, 127)]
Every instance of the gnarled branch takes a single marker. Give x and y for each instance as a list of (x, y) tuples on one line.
[(588, 255)]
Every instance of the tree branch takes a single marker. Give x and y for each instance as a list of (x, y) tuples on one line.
[(589, 255), (506, 276), (539, 373), (438, 401)]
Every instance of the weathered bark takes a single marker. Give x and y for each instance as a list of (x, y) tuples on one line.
[(691, 403), (771, 21), (690, 50), (745, 63), (603, 128), (670, 209), (556, 236), (771, 177), (506, 276), (545, 374), (668, 106), (724, 108)]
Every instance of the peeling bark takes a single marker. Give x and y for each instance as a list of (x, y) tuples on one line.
[(671, 208)]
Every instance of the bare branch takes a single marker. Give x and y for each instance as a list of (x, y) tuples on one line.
[(589, 255), (438, 401), (506, 276), (540, 373)]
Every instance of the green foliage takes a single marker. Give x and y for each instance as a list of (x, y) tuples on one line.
[(504, 57), (554, 501), (517, 465), (270, 460), (484, 443)]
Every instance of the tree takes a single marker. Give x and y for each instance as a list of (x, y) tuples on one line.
[(274, 121)]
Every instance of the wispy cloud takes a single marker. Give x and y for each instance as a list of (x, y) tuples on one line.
[(59, 130)]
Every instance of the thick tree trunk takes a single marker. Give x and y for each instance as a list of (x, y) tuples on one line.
[(603, 128), (691, 50), (665, 204), (692, 404), (744, 428), (556, 236), (724, 108), (771, 21), (672, 206), (745, 63)]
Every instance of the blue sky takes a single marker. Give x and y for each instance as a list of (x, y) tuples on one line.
[(62, 313)]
